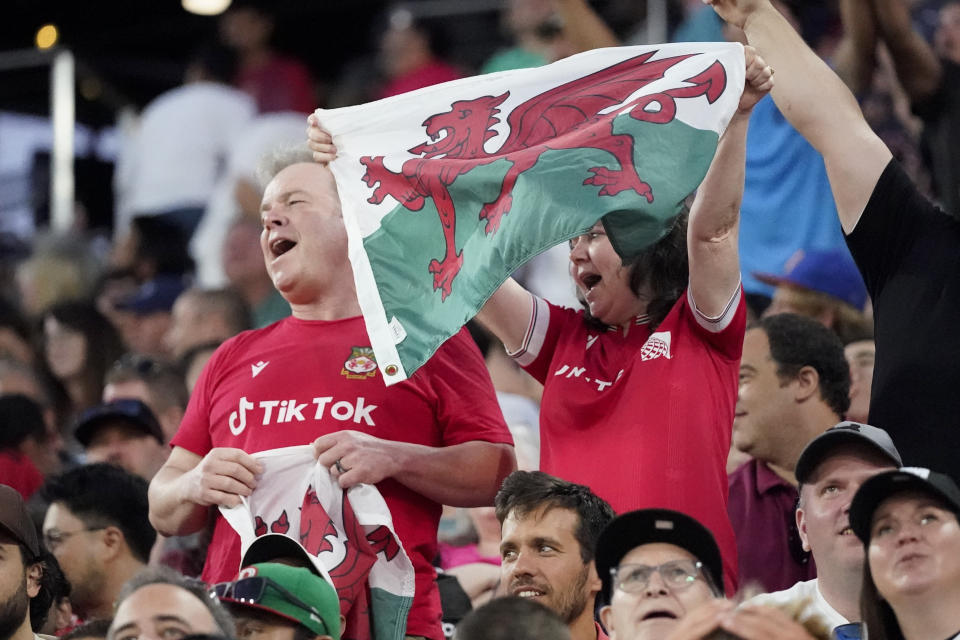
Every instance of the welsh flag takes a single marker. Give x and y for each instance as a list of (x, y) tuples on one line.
[(447, 190), (349, 535)]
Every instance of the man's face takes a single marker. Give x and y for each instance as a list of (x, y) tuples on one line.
[(653, 611), (540, 559), (762, 399), (17, 585), (127, 447), (823, 517), (161, 612), (75, 546), (304, 242), (860, 356)]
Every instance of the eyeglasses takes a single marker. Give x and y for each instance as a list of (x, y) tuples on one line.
[(54, 538), (677, 574), (251, 590)]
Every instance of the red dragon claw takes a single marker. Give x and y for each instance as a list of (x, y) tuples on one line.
[(492, 212), (444, 273), (613, 182)]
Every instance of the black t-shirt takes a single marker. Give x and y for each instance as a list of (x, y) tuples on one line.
[(908, 251)]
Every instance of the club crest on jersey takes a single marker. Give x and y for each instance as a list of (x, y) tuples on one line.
[(361, 364), (656, 346)]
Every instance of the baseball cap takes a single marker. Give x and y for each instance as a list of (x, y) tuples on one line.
[(883, 485), (272, 546), (128, 410), (157, 294), (847, 432), (294, 593), (15, 520), (645, 526), (831, 272)]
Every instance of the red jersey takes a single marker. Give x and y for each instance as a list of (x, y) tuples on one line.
[(296, 380), (643, 419)]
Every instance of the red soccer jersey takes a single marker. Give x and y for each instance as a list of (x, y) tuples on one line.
[(293, 381), (644, 419)]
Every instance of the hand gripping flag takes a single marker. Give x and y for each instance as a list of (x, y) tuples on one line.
[(349, 535), (448, 189)]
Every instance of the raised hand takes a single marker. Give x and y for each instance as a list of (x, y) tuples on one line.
[(320, 141), (759, 79), (736, 12)]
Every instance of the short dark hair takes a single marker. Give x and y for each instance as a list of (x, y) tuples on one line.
[(164, 380), (54, 587), (20, 419), (797, 342), (524, 492), (90, 629), (81, 491), (226, 302), (166, 575), (512, 618)]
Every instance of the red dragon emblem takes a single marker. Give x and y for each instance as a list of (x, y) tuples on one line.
[(318, 534), (565, 117)]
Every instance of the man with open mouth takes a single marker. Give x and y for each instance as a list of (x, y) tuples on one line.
[(830, 470)]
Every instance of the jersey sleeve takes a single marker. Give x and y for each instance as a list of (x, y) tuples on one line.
[(467, 407), (194, 431), (896, 215), (540, 340), (724, 332)]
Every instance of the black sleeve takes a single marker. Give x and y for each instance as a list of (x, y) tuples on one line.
[(895, 218)]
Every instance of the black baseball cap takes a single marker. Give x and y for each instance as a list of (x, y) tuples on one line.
[(272, 547), (883, 485), (15, 520), (127, 410), (844, 433), (645, 526)]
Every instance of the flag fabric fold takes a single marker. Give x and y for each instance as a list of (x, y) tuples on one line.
[(448, 189), (348, 534)]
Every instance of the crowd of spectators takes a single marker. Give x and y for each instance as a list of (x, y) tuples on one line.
[(756, 492)]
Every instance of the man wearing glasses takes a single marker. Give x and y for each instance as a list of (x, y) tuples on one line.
[(661, 573), (264, 606), (97, 527)]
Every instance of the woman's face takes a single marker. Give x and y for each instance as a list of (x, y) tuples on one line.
[(66, 348), (914, 547), (602, 280)]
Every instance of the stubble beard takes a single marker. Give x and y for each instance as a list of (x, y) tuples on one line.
[(14, 611)]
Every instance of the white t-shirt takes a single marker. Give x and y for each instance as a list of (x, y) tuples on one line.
[(179, 150), (800, 591)]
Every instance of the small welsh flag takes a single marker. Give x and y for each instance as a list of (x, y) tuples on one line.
[(448, 189)]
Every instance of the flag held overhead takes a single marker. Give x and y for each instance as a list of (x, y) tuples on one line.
[(447, 190)]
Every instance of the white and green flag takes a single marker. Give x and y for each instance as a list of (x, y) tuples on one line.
[(448, 189)]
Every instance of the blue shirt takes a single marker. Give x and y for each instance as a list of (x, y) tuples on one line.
[(787, 202)]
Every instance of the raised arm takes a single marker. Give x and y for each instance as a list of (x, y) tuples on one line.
[(583, 27), (715, 215), (917, 66), (816, 103), (856, 57)]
